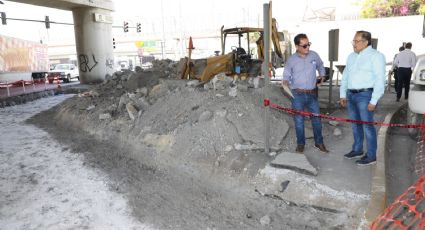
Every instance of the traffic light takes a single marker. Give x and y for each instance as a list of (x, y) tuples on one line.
[(3, 18), (47, 22), (125, 27), (113, 43), (139, 27)]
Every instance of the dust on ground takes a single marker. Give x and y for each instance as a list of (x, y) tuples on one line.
[(43, 185), (187, 155)]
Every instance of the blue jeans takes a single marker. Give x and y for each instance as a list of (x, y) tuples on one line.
[(357, 110), (299, 102)]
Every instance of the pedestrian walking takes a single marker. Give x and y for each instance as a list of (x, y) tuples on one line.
[(394, 69), (300, 76), (405, 61), (362, 85)]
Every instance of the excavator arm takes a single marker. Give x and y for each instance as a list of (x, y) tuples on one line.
[(276, 37)]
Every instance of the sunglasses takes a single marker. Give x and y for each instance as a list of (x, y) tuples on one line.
[(305, 46)]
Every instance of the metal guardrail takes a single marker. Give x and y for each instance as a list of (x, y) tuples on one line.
[(14, 88)]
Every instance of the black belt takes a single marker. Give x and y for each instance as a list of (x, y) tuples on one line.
[(360, 90)]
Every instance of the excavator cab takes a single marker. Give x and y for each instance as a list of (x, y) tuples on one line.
[(241, 60), (241, 33)]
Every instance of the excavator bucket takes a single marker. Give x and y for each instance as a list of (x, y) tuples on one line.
[(216, 65)]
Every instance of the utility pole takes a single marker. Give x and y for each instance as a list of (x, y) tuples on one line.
[(266, 73)]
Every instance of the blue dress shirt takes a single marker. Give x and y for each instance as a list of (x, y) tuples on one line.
[(301, 72), (365, 69)]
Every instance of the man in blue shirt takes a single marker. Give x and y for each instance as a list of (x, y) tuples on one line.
[(300, 75), (362, 85)]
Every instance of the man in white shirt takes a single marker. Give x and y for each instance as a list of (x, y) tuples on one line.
[(405, 62), (394, 68)]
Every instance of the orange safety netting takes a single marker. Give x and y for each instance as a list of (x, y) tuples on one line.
[(408, 210)]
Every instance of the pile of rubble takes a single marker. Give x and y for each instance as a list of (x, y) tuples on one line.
[(208, 122), (211, 131)]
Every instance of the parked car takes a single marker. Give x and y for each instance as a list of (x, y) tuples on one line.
[(64, 72)]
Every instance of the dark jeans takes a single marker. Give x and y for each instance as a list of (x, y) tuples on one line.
[(299, 102), (357, 110), (403, 80)]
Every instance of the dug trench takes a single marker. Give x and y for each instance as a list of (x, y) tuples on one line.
[(187, 156)]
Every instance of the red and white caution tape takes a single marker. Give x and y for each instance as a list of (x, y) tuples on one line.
[(309, 114)]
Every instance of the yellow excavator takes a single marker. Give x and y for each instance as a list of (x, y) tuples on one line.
[(238, 61)]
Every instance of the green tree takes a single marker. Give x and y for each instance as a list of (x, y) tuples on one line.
[(389, 8)]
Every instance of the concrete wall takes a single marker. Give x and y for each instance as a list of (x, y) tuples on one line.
[(390, 32)]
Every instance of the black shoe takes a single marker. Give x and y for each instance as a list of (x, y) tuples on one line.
[(366, 161), (299, 149), (352, 155), (321, 147), (398, 99)]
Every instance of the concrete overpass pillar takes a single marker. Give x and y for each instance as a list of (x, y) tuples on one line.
[(94, 44)]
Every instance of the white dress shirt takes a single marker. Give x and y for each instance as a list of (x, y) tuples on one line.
[(406, 59)]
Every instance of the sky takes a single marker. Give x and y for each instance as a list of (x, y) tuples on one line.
[(192, 16), (166, 17), (177, 19)]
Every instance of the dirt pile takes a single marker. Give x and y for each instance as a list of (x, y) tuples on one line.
[(179, 120), (212, 132)]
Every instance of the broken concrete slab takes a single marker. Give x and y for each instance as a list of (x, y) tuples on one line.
[(245, 118), (132, 111), (294, 161)]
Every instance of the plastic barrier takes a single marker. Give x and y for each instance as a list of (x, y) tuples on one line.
[(406, 212)]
